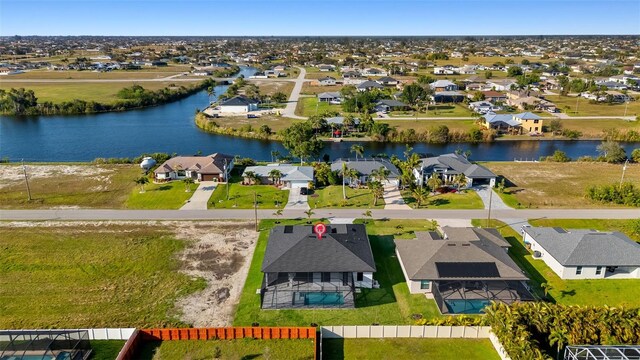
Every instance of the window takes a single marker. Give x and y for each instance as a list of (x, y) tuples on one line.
[(359, 276), (579, 270), (325, 277), (599, 270), (536, 121), (425, 284)]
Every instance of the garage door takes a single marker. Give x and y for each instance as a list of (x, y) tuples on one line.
[(298, 184)]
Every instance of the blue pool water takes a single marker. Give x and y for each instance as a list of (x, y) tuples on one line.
[(466, 306), (322, 298)]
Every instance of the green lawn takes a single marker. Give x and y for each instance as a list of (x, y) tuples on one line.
[(242, 197), (105, 349), (170, 195), (62, 185), (390, 305), (293, 349), (408, 349), (80, 276), (331, 197), (568, 292), (585, 108), (442, 110), (459, 200), (308, 106)]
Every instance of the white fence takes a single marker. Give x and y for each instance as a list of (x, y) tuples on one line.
[(406, 331), (94, 334)]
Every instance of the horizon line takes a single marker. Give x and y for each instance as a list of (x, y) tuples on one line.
[(341, 35)]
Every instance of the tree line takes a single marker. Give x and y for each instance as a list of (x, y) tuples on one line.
[(24, 101)]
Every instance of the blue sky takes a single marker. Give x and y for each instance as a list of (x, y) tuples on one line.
[(312, 17)]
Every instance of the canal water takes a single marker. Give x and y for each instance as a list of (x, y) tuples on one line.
[(170, 128)]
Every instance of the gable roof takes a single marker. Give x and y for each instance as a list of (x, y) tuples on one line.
[(211, 164), (442, 83), (289, 172), (527, 116), (329, 95), (343, 248), (327, 78), (239, 100), (455, 164), (366, 166), (493, 118), (369, 84), (386, 79), (583, 247), (391, 103), (476, 253)]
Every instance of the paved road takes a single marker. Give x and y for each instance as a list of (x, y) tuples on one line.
[(104, 214), (557, 116), (290, 109)]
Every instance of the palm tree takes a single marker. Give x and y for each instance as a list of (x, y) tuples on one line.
[(309, 214), (358, 150), (367, 214), (279, 214), (377, 190), (275, 154), (434, 181), (558, 336), (251, 177), (381, 174), (460, 180), (275, 175), (420, 194), (141, 181), (187, 184), (210, 91)]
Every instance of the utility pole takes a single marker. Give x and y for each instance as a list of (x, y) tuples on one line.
[(577, 98), (26, 180), (255, 208), (624, 168), (226, 177)]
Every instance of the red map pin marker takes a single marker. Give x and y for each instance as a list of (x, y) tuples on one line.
[(320, 229)]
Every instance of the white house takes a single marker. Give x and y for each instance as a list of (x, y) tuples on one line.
[(584, 254), (238, 104), (292, 176), (327, 81)]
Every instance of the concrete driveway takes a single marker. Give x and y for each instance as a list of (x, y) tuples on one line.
[(201, 196), (393, 199), (496, 201), (297, 201)]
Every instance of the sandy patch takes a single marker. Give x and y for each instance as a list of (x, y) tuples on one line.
[(221, 254), (10, 173)]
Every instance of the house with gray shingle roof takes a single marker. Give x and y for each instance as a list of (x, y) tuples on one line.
[(449, 166), (368, 85), (292, 176), (366, 167), (584, 254), (302, 270), (462, 269)]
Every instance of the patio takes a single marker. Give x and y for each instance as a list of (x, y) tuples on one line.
[(507, 291), (302, 292)]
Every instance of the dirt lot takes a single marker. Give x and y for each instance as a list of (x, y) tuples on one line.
[(221, 254)]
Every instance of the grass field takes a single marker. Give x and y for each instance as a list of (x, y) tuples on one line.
[(391, 304), (595, 128), (69, 185), (272, 87), (442, 110), (308, 106), (308, 89), (105, 349), (285, 349), (145, 73), (569, 292), (81, 276), (102, 92), (459, 200), (558, 185), (170, 195), (242, 197), (423, 125), (408, 349), (276, 123), (568, 105), (331, 197)]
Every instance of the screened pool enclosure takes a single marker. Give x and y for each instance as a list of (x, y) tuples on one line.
[(44, 345)]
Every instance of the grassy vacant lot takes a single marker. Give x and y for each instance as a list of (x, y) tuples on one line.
[(391, 304), (595, 128), (459, 200), (146, 73), (276, 123), (57, 185), (558, 185), (298, 349), (408, 349), (568, 105), (272, 87), (80, 276), (308, 89), (569, 292), (422, 125), (331, 197), (105, 349), (443, 110), (170, 195), (102, 92), (242, 197), (307, 106)]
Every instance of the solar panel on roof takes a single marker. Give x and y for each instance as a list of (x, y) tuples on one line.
[(288, 229), (560, 230), (467, 270)]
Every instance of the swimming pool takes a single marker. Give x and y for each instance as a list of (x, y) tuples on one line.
[(461, 306), (320, 298)]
